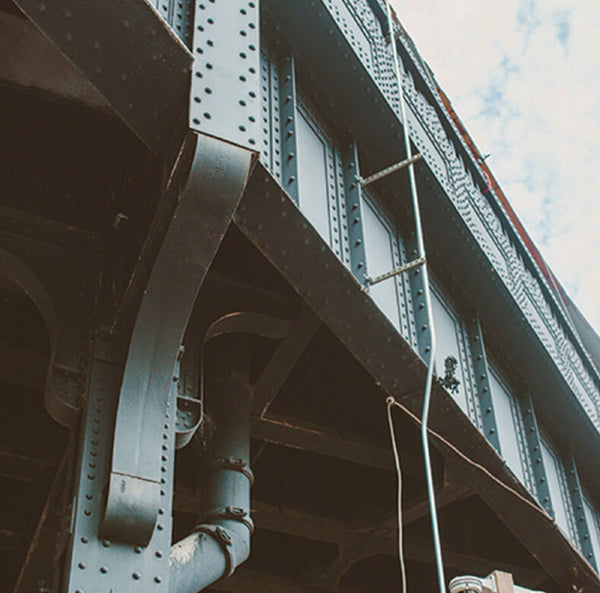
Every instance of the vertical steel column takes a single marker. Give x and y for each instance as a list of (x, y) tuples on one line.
[(288, 99), (482, 382), (95, 562), (222, 540), (535, 452), (583, 529), (352, 191), (430, 357)]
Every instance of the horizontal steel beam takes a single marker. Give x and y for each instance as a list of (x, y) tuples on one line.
[(320, 440)]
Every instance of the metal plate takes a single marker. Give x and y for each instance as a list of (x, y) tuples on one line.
[(226, 81)]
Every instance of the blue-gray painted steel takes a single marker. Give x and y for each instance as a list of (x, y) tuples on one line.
[(561, 503), (447, 157), (482, 382), (222, 540), (226, 81), (532, 434), (583, 530), (288, 118), (217, 179), (96, 562), (593, 525), (180, 16), (354, 218), (270, 144)]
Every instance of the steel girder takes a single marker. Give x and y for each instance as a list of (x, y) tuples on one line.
[(132, 57), (270, 220)]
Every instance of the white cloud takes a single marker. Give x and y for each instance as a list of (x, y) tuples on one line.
[(523, 77)]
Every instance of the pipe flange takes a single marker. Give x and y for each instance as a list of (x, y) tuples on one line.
[(234, 464), (231, 513), (222, 537)]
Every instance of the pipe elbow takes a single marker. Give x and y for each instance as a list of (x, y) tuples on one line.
[(211, 553)]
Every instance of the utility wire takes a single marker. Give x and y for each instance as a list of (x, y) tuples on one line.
[(390, 401)]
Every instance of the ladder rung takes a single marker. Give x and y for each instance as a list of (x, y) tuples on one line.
[(390, 169), (404, 268)]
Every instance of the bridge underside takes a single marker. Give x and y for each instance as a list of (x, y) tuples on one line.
[(79, 192)]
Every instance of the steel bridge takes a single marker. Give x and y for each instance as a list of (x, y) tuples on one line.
[(207, 300)]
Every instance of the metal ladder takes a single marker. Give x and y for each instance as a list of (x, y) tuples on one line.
[(419, 261)]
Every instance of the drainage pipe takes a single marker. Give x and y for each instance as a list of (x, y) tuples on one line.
[(429, 356), (221, 542)]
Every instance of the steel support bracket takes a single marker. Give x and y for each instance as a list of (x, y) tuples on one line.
[(216, 182)]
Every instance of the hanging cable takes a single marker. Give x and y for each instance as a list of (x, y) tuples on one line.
[(430, 355), (390, 401)]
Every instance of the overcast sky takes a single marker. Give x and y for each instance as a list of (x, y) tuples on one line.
[(523, 76)]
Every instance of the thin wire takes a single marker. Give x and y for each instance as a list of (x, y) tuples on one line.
[(390, 402)]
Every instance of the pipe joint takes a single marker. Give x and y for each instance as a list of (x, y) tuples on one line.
[(230, 513), (235, 464), (225, 541)]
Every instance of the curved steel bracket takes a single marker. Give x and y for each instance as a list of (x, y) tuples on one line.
[(58, 282), (217, 179)]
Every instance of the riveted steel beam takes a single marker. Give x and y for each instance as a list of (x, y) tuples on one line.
[(352, 192), (217, 179), (225, 85), (532, 434), (269, 219), (94, 559), (132, 57), (482, 382), (288, 114), (581, 522)]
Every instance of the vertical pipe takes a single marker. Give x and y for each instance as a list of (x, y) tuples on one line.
[(222, 540), (431, 359)]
